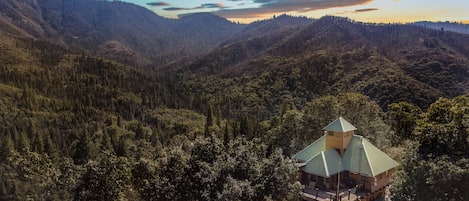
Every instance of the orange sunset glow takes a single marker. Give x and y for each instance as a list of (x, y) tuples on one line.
[(375, 11)]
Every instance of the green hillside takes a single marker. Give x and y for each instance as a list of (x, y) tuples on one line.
[(388, 63), (79, 125)]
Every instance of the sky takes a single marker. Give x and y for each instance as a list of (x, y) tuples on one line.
[(377, 11)]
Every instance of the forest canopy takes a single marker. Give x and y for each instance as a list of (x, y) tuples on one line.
[(78, 124)]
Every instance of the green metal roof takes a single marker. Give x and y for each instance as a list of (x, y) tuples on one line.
[(361, 157), (340, 125), (364, 158), (311, 150), (325, 164), (356, 159)]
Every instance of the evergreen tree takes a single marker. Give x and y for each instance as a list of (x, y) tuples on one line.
[(37, 144), (82, 149), (208, 121), (22, 143), (121, 149), (139, 133), (6, 146), (226, 135)]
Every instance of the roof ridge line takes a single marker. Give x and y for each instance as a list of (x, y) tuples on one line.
[(325, 163), (366, 155), (342, 122)]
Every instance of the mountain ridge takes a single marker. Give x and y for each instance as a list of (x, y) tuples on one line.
[(142, 37), (336, 54)]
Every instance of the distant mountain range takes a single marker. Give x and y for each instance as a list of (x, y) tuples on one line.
[(126, 32), (445, 26), (307, 57), (117, 30)]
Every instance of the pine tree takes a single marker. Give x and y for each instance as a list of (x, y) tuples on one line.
[(37, 144), (209, 121), (49, 148), (154, 137), (121, 149), (106, 141), (226, 135), (82, 150), (22, 144), (6, 147), (139, 133), (119, 121)]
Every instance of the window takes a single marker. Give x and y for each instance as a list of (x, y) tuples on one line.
[(364, 179), (313, 178)]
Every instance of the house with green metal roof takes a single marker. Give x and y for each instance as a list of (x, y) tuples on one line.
[(342, 155)]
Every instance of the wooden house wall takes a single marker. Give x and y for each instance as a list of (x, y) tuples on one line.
[(369, 183), (338, 140)]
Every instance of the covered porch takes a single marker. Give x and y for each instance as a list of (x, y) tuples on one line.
[(316, 194), (351, 187), (322, 182)]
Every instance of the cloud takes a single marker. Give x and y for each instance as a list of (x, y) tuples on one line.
[(269, 7), (158, 4), (175, 9), (365, 10), (206, 5), (347, 12), (210, 5), (263, 1)]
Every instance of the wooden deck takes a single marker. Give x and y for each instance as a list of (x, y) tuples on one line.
[(311, 194)]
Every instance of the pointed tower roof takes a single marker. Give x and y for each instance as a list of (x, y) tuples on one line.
[(340, 125)]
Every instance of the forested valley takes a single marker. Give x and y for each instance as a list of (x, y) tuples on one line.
[(222, 125)]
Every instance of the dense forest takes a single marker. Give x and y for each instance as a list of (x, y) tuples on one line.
[(222, 125)]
